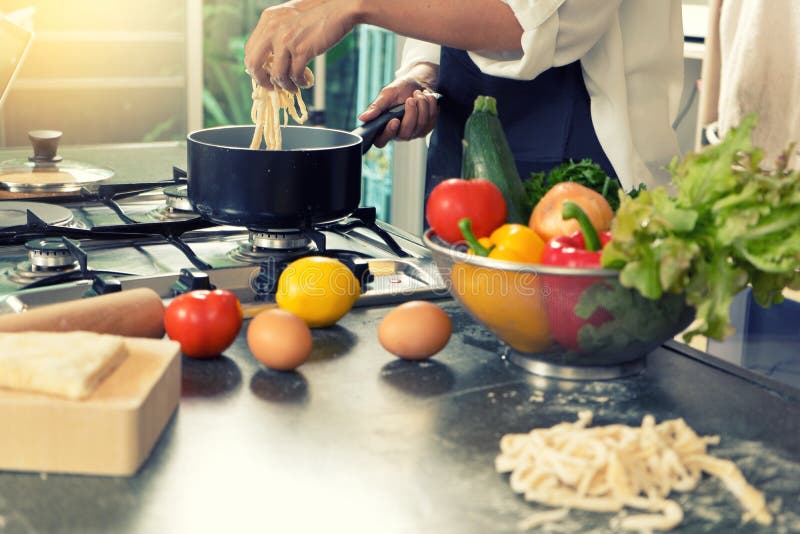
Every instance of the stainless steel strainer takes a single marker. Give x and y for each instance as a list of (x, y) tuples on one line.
[(558, 321)]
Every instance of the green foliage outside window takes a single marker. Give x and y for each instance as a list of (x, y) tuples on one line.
[(226, 87)]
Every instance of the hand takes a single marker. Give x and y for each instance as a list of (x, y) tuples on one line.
[(416, 91), (289, 35)]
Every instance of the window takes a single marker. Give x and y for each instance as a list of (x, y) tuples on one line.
[(132, 71), (101, 72)]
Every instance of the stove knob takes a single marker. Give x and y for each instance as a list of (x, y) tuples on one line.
[(103, 285), (189, 280)]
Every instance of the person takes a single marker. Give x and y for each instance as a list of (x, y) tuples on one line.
[(573, 78)]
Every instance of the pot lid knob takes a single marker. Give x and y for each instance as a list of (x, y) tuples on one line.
[(45, 146)]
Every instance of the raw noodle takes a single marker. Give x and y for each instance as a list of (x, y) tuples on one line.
[(265, 113), (608, 468)]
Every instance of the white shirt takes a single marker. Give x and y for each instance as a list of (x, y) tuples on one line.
[(631, 54)]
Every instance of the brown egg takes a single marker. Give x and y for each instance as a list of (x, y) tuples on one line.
[(279, 339), (415, 330)]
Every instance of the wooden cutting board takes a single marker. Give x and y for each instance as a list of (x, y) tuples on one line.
[(110, 433)]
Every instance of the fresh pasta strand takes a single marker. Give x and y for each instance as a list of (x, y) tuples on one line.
[(266, 111), (609, 468)]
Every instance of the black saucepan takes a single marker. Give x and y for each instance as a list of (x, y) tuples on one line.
[(315, 178)]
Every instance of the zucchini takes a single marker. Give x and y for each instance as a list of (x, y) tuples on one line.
[(487, 155)]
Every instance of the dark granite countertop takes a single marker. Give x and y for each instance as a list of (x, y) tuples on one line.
[(357, 441)]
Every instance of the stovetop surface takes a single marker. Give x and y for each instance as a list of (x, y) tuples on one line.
[(156, 263), (227, 254)]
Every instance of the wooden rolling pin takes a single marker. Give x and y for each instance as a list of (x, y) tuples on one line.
[(134, 312)]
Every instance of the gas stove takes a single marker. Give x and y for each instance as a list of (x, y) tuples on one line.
[(124, 236)]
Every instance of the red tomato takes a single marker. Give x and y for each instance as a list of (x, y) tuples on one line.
[(204, 322), (452, 200)]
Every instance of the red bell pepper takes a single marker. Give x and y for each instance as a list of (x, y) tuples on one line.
[(579, 250)]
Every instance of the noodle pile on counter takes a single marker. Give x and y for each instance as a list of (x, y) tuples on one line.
[(608, 468), (267, 105)]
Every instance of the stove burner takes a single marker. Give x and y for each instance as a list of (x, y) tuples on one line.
[(178, 198), (46, 257), (280, 240), (268, 246), (14, 213), (177, 205), (49, 253)]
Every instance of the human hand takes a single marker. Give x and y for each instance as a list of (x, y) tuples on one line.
[(289, 35), (416, 91)]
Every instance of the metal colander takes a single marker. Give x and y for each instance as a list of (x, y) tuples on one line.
[(558, 321)]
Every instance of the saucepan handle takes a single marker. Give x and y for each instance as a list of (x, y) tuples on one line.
[(369, 130)]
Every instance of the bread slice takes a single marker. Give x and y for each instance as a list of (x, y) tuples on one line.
[(67, 364)]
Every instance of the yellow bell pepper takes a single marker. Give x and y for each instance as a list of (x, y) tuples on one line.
[(510, 242), (510, 303)]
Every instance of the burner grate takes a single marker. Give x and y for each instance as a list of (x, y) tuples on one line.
[(264, 248), (366, 217), (55, 260), (169, 232)]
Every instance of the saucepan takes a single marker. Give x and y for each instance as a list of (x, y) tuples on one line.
[(315, 177)]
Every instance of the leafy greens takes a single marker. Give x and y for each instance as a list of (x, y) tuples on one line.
[(584, 172), (730, 224), (635, 321)]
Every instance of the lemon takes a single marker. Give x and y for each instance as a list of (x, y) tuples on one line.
[(317, 289)]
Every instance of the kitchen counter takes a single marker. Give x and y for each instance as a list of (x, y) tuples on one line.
[(358, 441)]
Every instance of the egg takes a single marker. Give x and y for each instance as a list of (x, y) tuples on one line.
[(415, 330), (279, 339)]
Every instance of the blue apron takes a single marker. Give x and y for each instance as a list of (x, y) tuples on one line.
[(546, 120)]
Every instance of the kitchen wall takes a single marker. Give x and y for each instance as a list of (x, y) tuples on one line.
[(102, 72)]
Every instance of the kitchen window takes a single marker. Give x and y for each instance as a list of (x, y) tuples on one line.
[(103, 72), (134, 71)]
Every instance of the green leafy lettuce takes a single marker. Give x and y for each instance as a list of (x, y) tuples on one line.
[(729, 224)]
